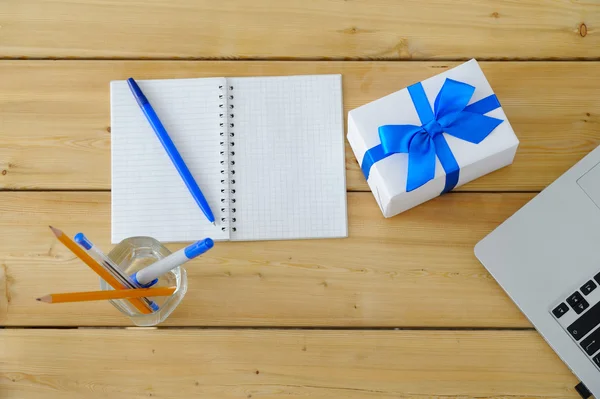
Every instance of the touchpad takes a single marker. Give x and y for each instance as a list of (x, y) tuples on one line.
[(590, 183)]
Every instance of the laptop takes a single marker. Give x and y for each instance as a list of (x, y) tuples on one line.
[(547, 258)]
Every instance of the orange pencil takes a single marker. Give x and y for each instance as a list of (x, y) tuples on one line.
[(104, 295), (95, 266)]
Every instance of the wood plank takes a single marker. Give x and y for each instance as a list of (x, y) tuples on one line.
[(365, 29), (415, 270), (54, 116), (272, 364)]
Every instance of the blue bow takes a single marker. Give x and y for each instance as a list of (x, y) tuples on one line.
[(423, 143)]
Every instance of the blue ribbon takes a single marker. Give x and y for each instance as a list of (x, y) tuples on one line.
[(450, 115)]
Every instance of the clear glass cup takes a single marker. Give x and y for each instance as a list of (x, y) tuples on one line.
[(135, 253)]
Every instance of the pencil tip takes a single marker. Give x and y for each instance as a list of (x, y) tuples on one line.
[(45, 298), (56, 231)]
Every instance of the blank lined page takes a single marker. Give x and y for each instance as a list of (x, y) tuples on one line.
[(289, 157), (149, 198)]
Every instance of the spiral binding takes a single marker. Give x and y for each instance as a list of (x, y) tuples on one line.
[(227, 136)]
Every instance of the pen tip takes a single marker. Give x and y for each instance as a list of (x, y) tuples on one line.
[(214, 224)]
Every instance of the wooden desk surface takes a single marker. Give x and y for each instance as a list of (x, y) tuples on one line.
[(400, 309)]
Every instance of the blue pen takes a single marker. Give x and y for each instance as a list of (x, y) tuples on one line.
[(171, 150)]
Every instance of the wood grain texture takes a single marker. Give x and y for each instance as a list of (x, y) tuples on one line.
[(272, 364), (415, 270), (55, 116), (341, 29)]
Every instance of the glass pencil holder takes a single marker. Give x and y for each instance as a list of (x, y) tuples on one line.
[(133, 254)]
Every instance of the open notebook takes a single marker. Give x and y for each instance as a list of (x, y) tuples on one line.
[(267, 152)]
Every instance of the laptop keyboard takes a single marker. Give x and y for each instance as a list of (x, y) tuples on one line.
[(579, 315)]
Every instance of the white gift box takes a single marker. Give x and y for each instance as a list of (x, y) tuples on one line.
[(388, 177)]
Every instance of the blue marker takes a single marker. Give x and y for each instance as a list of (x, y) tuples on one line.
[(111, 267), (148, 276), (171, 150)]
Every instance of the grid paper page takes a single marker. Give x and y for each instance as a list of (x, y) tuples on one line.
[(289, 158), (149, 198)]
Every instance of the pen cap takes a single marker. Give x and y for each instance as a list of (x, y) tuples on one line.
[(137, 92), (83, 241), (198, 248)]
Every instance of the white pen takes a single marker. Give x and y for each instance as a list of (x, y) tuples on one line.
[(148, 276)]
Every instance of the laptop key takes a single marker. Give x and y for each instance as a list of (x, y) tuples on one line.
[(591, 344), (597, 360), (597, 278), (586, 323), (588, 287), (560, 310), (581, 306), (574, 299)]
